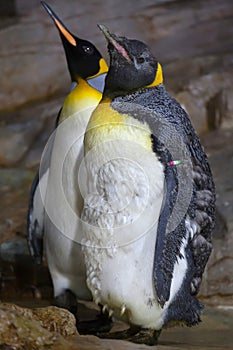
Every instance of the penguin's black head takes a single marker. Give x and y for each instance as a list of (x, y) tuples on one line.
[(83, 58), (132, 65)]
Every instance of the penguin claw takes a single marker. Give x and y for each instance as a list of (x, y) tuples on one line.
[(111, 312), (105, 308), (123, 309)]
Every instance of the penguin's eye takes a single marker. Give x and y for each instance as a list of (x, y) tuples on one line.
[(141, 59), (88, 50)]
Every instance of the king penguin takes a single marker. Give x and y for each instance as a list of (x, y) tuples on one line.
[(87, 69), (149, 204)]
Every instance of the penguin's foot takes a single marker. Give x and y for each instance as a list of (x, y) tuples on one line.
[(102, 323), (145, 336), (67, 300), (135, 334)]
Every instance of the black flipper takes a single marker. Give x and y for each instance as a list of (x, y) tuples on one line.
[(184, 309), (36, 211), (168, 243), (35, 225)]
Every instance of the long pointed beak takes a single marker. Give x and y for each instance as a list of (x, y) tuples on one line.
[(115, 41), (61, 27)]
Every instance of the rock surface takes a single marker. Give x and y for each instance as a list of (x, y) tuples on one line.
[(53, 328), (22, 328), (14, 192), (16, 139), (33, 66), (24, 133), (217, 286), (208, 101)]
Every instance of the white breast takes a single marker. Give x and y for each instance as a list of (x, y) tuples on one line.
[(121, 209), (63, 206)]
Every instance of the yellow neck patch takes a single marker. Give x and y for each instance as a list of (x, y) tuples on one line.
[(81, 98), (158, 77), (107, 124), (103, 68)]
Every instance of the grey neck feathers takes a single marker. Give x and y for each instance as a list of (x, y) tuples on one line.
[(97, 82)]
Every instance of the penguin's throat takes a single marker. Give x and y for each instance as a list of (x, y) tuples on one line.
[(107, 124)]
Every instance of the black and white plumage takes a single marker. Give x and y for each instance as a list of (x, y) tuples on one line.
[(83, 61), (55, 199), (137, 109), (198, 222)]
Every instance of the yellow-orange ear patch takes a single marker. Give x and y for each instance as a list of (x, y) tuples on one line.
[(103, 68), (158, 77), (66, 34)]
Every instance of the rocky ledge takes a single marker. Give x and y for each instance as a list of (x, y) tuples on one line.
[(54, 329)]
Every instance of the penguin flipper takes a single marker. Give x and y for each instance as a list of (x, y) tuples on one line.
[(168, 243), (36, 210), (201, 221), (196, 226), (35, 221)]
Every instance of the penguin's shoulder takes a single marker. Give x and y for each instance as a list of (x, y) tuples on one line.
[(108, 123), (158, 100), (81, 97)]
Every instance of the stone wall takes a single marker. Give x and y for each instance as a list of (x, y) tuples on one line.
[(32, 60)]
